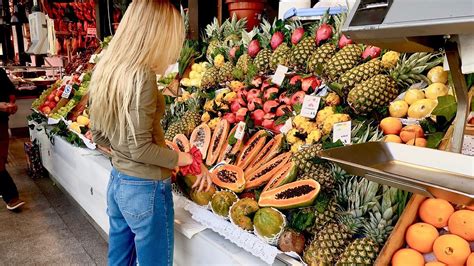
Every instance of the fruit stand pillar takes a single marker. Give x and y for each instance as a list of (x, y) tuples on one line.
[(104, 17)]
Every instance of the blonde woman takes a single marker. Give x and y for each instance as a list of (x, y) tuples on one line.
[(126, 109)]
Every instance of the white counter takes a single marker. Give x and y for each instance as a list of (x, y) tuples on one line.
[(84, 175)]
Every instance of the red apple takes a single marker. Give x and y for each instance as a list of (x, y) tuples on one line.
[(235, 106)]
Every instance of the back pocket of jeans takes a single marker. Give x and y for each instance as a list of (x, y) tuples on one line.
[(136, 198)]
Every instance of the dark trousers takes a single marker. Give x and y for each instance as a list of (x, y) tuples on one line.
[(8, 189)]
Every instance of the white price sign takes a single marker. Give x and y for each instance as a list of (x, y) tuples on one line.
[(310, 106), (287, 126), (240, 131), (67, 91), (342, 131), (279, 75)]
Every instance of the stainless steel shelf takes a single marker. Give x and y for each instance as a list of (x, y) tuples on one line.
[(429, 172)]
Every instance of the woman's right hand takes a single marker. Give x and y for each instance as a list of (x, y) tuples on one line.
[(184, 159)]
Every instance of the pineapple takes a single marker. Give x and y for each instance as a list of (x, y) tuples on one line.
[(345, 59), (376, 230), (331, 241), (225, 72), (213, 35), (304, 158), (280, 56), (185, 125), (379, 90), (358, 74), (244, 61), (302, 52), (210, 78), (322, 173), (232, 29), (262, 60), (322, 54)]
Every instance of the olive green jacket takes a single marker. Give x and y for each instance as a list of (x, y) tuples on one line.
[(146, 155)]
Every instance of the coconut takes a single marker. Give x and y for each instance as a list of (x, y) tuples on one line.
[(291, 240), (269, 224), (222, 201)]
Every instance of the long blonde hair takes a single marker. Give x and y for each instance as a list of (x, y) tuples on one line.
[(148, 39)]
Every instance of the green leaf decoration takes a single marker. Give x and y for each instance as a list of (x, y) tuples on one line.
[(447, 107), (434, 140)]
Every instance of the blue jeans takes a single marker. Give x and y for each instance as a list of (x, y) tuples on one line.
[(141, 220)]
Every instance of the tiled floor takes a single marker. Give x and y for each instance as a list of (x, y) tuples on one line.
[(50, 229)]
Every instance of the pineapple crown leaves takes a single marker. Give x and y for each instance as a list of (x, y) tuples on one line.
[(409, 69), (247, 37), (213, 31), (357, 195), (233, 26), (265, 34)]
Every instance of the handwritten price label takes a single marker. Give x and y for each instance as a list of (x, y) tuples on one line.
[(240, 131), (279, 75), (342, 131), (310, 106)]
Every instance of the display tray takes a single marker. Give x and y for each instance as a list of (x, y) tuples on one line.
[(429, 172)]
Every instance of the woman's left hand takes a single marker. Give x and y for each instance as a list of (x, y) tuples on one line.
[(203, 179)]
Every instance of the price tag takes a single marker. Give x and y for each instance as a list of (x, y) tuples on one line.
[(91, 32), (342, 131), (287, 126), (172, 68), (279, 75), (310, 106), (409, 121), (240, 131), (67, 91)]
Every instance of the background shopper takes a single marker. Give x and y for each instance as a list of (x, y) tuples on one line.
[(8, 107), (126, 109)]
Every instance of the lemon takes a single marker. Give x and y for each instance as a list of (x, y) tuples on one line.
[(193, 74), (435, 90), (422, 108), (398, 109), (413, 95), (194, 67), (437, 74)]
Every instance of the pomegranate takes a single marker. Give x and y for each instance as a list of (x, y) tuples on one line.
[(235, 106), (241, 113), (230, 117), (257, 116), (277, 39), (282, 109), (284, 99), (254, 104), (270, 106), (297, 35), (254, 48), (323, 33), (268, 124), (253, 93), (343, 41), (271, 93), (297, 97), (310, 84), (295, 79), (372, 52)]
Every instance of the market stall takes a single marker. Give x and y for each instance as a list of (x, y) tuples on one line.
[(279, 115)]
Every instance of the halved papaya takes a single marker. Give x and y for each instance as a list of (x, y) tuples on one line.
[(297, 194), (231, 147), (230, 177), (264, 173), (252, 148), (201, 137), (268, 152), (182, 142), (171, 145), (284, 175), (217, 141)]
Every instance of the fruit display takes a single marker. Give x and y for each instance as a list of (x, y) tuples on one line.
[(441, 234)]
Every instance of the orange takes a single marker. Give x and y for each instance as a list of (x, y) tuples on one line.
[(435, 263), (451, 249), (421, 236), (392, 138), (461, 223), (435, 212), (470, 260), (420, 142), (391, 125), (408, 256)]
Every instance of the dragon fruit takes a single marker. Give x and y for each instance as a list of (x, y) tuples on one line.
[(297, 35), (343, 41), (254, 48), (372, 52), (277, 39), (323, 33)]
